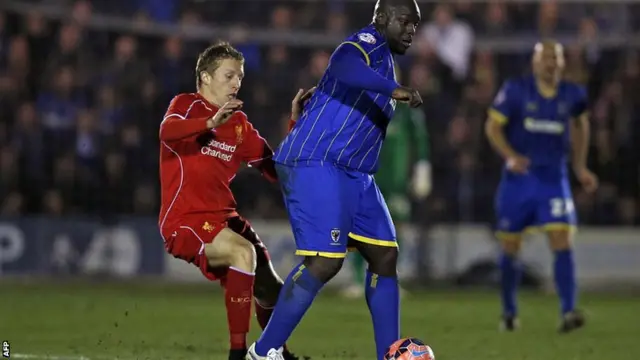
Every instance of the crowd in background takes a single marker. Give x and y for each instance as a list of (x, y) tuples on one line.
[(80, 106)]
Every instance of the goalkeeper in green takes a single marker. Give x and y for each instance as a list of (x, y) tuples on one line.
[(404, 170)]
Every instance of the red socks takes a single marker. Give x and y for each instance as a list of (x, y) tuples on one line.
[(238, 296)]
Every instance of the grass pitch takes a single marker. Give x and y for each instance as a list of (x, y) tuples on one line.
[(159, 321)]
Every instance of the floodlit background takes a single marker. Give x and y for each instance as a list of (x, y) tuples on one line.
[(83, 88)]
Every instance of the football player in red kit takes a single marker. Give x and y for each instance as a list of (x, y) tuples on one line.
[(204, 139)]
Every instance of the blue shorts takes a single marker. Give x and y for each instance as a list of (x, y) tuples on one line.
[(328, 205), (526, 201)]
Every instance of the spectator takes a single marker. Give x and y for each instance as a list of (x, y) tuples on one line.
[(71, 52), (58, 107), (452, 40), (80, 105), (125, 71), (18, 67)]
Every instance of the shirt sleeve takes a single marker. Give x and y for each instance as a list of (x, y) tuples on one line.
[(257, 153), (504, 103), (350, 65), (176, 124)]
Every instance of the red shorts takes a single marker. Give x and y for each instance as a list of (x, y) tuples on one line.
[(186, 241)]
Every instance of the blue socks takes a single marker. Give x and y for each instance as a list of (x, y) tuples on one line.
[(565, 278), (383, 299), (298, 292), (510, 273), (564, 275), (294, 300)]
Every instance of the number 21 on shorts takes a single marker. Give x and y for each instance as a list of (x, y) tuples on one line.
[(561, 207)]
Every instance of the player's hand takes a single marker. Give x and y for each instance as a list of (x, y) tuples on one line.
[(518, 164), (408, 95), (588, 180), (299, 101), (224, 113)]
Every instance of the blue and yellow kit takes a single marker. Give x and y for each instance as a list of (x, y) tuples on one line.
[(326, 162), (537, 126)]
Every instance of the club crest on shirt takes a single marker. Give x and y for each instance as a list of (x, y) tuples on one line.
[(207, 227), (239, 134), (335, 235), (368, 38)]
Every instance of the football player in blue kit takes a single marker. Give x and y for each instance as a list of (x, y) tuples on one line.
[(325, 166), (534, 123)]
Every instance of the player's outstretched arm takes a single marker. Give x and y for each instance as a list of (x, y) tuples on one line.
[(349, 66), (174, 128), (177, 124)]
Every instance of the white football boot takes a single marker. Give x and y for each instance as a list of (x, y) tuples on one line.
[(273, 354)]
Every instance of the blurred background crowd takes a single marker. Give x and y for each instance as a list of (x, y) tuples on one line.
[(84, 85)]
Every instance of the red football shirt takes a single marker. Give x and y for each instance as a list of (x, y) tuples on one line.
[(197, 164)]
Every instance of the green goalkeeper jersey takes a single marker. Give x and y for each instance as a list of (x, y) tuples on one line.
[(406, 142)]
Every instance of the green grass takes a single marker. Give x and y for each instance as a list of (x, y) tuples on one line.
[(153, 321)]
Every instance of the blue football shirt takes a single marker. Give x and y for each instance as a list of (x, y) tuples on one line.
[(341, 124), (538, 126)]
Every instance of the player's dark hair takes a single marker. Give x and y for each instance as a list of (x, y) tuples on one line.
[(209, 59)]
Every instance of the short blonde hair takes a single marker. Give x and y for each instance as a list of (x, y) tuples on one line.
[(209, 59)]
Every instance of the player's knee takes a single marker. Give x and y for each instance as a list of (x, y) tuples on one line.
[(244, 257), (511, 246), (560, 240), (322, 268), (384, 261)]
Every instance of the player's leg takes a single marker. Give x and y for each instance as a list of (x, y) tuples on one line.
[(556, 211), (298, 292), (267, 284), (374, 236), (232, 250), (382, 292), (221, 253), (565, 278), (267, 287), (318, 201), (514, 212), (400, 209), (510, 275)]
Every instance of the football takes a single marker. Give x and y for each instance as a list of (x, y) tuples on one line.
[(409, 349)]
